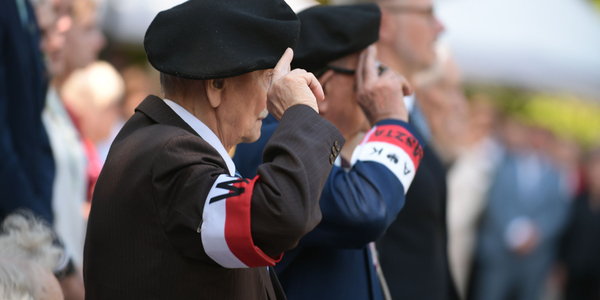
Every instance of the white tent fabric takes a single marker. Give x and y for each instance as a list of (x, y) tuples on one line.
[(127, 20), (549, 45)]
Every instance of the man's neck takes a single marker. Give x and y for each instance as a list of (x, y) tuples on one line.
[(59, 80), (206, 114)]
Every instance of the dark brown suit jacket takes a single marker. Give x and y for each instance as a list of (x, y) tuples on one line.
[(143, 237)]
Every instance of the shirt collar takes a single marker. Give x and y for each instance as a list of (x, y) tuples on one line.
[(205, 133), (409, 101)]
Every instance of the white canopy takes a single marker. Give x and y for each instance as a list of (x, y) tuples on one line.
[(548, 45), (127, 20)]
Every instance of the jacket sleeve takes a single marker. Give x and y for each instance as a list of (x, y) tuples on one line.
[(360, 204), (245, 222)]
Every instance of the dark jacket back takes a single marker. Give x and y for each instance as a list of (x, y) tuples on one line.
[(143, 239), (413, 252)]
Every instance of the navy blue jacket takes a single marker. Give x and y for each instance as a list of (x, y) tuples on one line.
[(333, 261), (26, 163)]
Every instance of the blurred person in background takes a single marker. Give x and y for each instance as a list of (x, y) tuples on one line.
[(83, 43), (413, 252), (469, 180), (84, 40), (94, 95), (70, 185), (441, 97), (29, 176), (464, 144), (26, 165), (28, 256), (71, 182), (526, 212), (366, 188), (138, 84), (76, 169), (580, 245), (566, 154)]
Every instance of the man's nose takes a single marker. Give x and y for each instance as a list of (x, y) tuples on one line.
[(438, 26)]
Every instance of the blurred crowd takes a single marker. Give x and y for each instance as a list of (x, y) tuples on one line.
[(80, 103), (522, 205)]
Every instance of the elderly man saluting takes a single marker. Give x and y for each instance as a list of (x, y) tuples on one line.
[(170, 218)]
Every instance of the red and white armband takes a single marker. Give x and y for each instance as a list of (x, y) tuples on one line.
[(394, 147), (225, 230)]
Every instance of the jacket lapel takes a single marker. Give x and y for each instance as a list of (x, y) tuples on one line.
[(157, 110)]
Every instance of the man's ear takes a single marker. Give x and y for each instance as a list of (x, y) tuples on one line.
[(324, 80), (214, 91)]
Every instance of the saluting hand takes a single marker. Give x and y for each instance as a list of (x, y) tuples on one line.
[(380, 95), (288, 88)]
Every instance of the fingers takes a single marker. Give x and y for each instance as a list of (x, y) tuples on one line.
[(390, 74), (406, 88), (315, 86), (312, 82), (359, 70), (370, 71), (283, 65)]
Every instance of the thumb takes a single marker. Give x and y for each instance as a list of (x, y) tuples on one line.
[(283, 65)]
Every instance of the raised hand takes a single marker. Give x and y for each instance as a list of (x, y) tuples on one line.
[(380, 95), (288, 88)]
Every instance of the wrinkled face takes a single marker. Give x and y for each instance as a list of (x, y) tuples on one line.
[(84, 42), (414, 29), (244, 105), (340, 106)]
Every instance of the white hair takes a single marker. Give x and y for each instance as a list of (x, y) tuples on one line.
[(98, 85), (16, 280), (26, 249)]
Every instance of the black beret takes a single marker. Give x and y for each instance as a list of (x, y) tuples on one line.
[(332, 32), (210, 39)]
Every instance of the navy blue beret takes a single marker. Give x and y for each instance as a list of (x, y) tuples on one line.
[(332, 32), (210, 39)]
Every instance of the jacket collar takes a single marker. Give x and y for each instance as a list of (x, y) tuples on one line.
[(157, 110)]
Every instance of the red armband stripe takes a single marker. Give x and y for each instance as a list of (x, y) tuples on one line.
[(399, 136), (226, 227), (238, 228)]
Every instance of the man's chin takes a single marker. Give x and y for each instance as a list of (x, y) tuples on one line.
[(254, 136)]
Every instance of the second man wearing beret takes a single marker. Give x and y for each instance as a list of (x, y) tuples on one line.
[(365, 189)]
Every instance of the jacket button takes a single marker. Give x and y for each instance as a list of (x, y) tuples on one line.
[(334, 151), (331, 159), (337, 146)]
